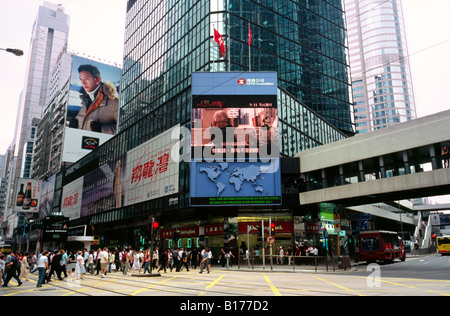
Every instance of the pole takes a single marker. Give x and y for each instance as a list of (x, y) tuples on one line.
[(249, 59), (151, 245), (271, 246), (263, 245), (401, 221), (248, 246), (229, 40)]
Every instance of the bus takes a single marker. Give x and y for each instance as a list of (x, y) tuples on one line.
[(380, 246), (443, 245)]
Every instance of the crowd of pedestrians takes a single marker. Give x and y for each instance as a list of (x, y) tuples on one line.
[(75, 264)]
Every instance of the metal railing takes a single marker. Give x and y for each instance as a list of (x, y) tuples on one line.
[(292, 263)]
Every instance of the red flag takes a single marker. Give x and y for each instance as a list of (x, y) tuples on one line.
[(219, 40), (250, 36)]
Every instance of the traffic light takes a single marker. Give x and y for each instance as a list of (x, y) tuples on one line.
[(272, 229), (259, 231), (155, 225)]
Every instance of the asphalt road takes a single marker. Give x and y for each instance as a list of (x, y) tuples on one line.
[(431, 267), (421, 276)]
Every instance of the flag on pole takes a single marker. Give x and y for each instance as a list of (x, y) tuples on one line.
[(219, 40), (250, 36)]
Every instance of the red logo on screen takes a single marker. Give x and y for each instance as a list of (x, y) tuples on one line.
[(241, 82)]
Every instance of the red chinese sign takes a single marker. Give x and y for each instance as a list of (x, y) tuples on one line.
[(70, 200), (150, 169)]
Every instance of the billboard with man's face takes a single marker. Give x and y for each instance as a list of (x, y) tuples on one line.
[(92, 109)]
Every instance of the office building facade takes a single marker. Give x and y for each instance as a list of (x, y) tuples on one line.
[(165, 42), (49, 36), (381, 76)]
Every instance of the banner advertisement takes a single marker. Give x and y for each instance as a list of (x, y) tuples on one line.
[(47, 195), (92, 109), (234, 139), (28, 195), (71, 199), (151, 170), (145, 173)]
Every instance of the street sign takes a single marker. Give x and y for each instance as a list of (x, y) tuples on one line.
[(270, 240)]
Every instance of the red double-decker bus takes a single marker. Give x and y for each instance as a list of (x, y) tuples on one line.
[(380, 246)]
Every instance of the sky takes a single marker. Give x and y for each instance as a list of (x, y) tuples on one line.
[(97, 29)]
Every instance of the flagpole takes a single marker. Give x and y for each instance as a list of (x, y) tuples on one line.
[(249, 53), (229, 40)]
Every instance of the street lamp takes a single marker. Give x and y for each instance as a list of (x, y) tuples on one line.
[(14, 51)]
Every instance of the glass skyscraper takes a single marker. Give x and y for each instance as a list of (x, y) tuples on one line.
[(303, 41), (49, 37), (381, 79)]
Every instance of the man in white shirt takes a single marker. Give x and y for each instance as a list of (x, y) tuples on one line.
[(42, 266), (104, 261), (315, 251)]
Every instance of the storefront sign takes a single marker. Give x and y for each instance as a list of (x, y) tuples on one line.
[(280, 227)]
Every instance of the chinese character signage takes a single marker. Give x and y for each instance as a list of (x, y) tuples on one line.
[(151, 171), (71, 199)]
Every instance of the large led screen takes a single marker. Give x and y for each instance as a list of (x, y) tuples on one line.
[(235, 143)]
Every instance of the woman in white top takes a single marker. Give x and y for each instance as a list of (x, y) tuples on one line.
[(24, 268), (136, 263), (79, 267)]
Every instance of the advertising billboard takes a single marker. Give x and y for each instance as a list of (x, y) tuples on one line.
[(235, 143), (92, 109), (151, 171), (47, 195), (145, 173), (28, 195), (71, 199)]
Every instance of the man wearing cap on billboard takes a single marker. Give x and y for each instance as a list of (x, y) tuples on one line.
[(99, 103)]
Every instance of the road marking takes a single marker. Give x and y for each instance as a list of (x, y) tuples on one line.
[(202, 293), (152, 286), (399, 284), (338, 286), (444, 294), (86, 288), (272, 287)]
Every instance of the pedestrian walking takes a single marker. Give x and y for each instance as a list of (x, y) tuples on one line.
[(55, 266), (80, 268), (136, 263), (91, 262), (163, 259), (42, 266), (2, 267), (11, 270), (204, 261), (64, 262), (194, 258), (104, 261), (126, 260), (24, 266), (176, 261), (228, 256), (147, 261), (155, 258)]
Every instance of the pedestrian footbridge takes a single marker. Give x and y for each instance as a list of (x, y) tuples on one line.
[(408, 160)]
